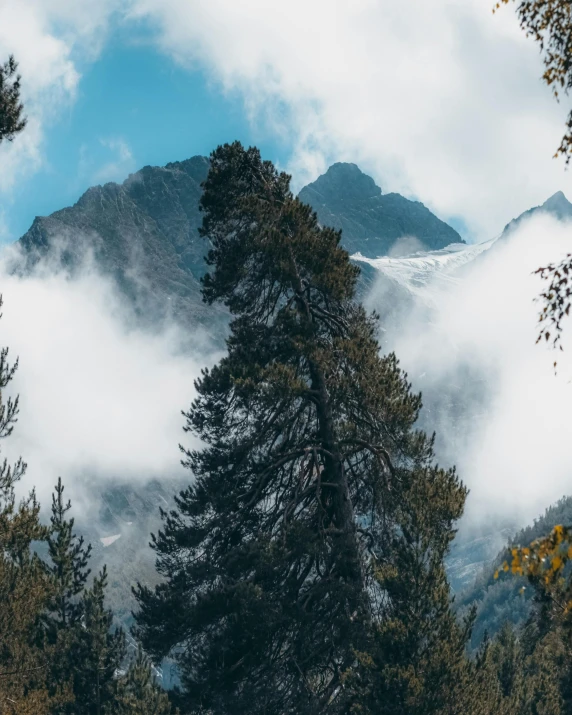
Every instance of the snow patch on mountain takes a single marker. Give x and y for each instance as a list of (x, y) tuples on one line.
[(108, 540), (423, 268)]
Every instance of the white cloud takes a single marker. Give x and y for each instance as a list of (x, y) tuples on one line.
[(100, 398), (506, 416), (50, 40), (119, 166), (438, 99)]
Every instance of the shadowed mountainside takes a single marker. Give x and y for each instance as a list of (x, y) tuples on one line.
[(144, 233), (374, 224)]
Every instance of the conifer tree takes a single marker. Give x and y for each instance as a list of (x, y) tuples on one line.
[(25, 588), (77, 625), (90, 651), (416, 662), (68, 564), (137, 693), (101, 650), (310, 478), (529, 682), (12, 121)]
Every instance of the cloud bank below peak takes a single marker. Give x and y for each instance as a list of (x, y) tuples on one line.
[(100, 396), (468, 343)]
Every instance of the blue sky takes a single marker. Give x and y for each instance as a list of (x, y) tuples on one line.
[(134, 107), (439, 101)]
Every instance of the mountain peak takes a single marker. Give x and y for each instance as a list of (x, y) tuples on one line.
[(558, 204), (197, 167), (345, 181), (373, 223)]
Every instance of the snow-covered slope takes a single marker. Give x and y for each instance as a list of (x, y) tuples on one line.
[(420, 270)]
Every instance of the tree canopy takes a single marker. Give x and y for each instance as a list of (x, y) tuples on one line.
[(308, 508), (12, 120)]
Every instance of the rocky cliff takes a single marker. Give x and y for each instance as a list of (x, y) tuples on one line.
[(144, 233)]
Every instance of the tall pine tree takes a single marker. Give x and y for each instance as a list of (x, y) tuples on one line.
[(310, 476), (102, 651), (68, 558), (12, 120), (87, 652)]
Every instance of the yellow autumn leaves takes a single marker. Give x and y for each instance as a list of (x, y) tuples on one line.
[(544, 560)]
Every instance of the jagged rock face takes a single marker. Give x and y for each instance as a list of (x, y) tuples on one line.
[(374, 224), (143, 233)]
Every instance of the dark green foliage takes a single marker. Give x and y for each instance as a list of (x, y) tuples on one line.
[(558, 513), (58, 653), (308, 524), (25, 588), (68, 564), (69, 630), (100, 652), (527, 670), (137, 693), (86, 652), (415, 664), (527, 678), (506, 679), (502, 601), (11, 119)]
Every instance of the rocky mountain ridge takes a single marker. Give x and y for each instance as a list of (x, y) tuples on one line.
[(372, 223), (144, 233)]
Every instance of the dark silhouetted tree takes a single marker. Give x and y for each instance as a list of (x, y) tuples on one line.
[(69, 558), (78, 627), (96, 654), (12, 121), (282, 557), (87, 652), (137, 692)]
